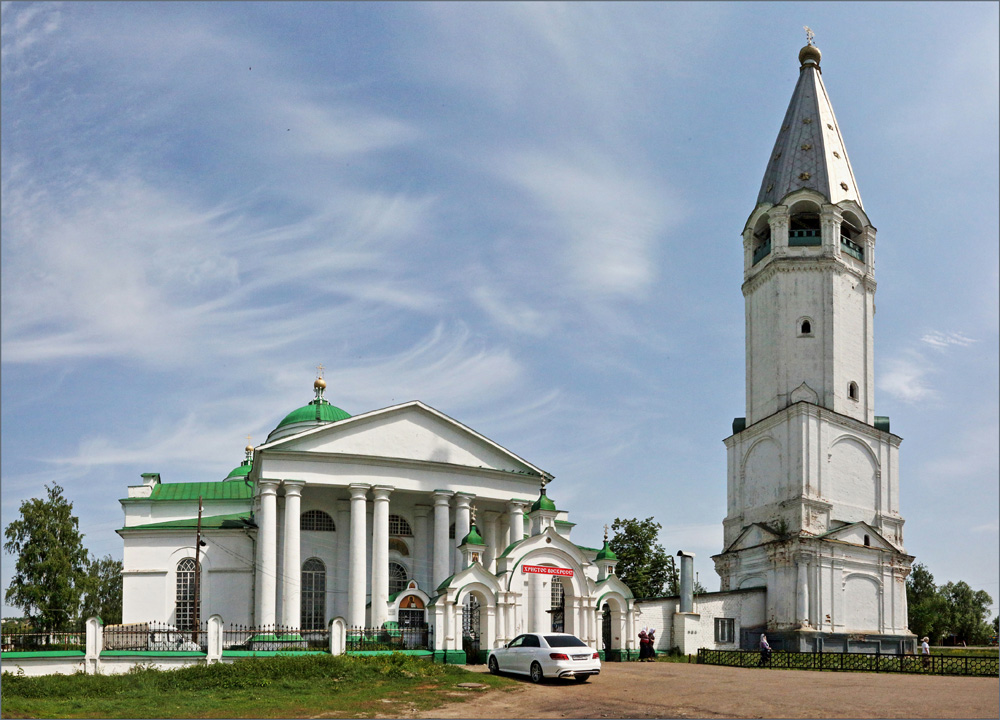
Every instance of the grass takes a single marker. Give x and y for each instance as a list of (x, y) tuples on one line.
[(285, 686)]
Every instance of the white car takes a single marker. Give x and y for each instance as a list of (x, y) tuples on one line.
[(544, 655)]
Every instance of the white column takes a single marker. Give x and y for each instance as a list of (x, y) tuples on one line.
[(442, 546), (802, 594), (268, 538), (422, 552), (356, 583), (515, 520), (489, 533), (342, 559), (462, 525), (380, 555), (291, 585)]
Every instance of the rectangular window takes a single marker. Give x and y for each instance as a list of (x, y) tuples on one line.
[(725, 630)]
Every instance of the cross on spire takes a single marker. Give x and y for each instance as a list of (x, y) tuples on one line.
[(472, 514), (319, 370), (605, 532), (809, 35)]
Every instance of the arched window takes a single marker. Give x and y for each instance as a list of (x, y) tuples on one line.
[(805, 327), (399, 526), (852, 391), (804, 225), (397, 578), (186, 600), (868, 541), (313, 595), (317, 520), (761, 240), (395, 544)]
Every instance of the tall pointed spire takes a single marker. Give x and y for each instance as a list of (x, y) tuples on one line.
[(809, 151)]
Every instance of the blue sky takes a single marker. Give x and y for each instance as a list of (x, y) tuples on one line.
[(526, 215)]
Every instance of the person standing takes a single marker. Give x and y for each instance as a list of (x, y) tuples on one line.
[(651, 635), (765, 651), (925, 651), (643, 646)]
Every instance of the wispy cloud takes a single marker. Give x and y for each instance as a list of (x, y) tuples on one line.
[(943, 340), (909, 375)]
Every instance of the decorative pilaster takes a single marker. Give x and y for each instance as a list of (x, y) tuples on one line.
[(802, 590), (442, 546), (358, 566), (291, 582), (380, 555), (268, 534)]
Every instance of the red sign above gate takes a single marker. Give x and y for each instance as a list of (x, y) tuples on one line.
[(543, 570)]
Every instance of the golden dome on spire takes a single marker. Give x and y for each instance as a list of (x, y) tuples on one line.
[(319, 384), (810, 54)]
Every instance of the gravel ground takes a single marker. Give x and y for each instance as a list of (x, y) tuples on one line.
[(679, 690)]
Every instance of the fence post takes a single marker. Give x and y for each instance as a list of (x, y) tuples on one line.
[(878, 658), (214, 640), (338, 636), (95, 643)]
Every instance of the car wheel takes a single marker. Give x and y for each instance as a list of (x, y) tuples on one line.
[(581, 678), (494, 667), (536, 673)]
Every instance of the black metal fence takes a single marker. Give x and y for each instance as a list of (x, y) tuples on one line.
[(155, 636), (274, 637), (25, 640), (975, 665), (418, 637)]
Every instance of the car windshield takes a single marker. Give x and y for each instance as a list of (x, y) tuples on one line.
[(564, 641)]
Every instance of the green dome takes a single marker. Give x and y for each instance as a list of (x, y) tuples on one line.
[(606, 553), (318, 411), (543, 503), (473, 538), (240, 472)]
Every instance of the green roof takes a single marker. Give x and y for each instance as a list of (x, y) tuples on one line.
[(206, 490), (318, 411), (473, 538), (232, 521), (239, 472), (543, 502), (606, 553)]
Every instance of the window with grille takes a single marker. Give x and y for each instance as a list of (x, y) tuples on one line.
[(397, 578), (186, 571), (313, 595), (399, 526), (397, 545), (558, 597), (725, 630), (317, 520)]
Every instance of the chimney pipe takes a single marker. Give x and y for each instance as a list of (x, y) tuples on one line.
[(687, 581)]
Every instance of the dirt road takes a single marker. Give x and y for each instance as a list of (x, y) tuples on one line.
[(678, 690)]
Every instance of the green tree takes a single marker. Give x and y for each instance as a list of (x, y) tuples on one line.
[(103, 590), (51, 561), (928, 614), (643, 564), (968, 611)]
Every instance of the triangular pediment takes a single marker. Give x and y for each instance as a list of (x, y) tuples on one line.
[(753, 536), (855, 534), (412, 431)]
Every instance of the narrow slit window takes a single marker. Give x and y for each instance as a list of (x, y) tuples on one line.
[(852, 391)]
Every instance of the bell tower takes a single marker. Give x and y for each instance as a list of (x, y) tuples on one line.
[(813, 506)]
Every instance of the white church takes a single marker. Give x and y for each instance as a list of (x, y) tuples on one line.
[(370, 518), (404, 515)]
